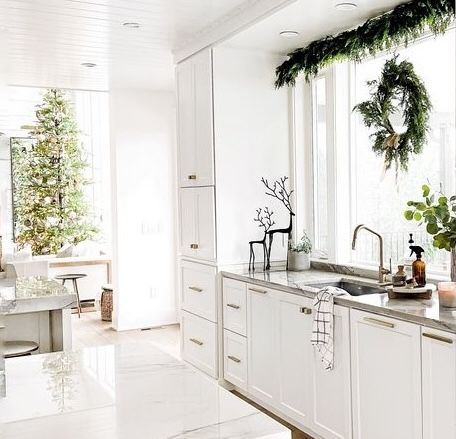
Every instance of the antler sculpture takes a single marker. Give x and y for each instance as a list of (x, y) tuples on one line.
[(264, 220), (279, 191)]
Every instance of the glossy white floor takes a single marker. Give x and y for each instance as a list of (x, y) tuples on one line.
[(90, 331)]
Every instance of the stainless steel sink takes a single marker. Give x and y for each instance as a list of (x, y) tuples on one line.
[(352, 288)]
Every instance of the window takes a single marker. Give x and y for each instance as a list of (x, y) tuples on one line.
[(374, 196), (319, 157), (378, 199)]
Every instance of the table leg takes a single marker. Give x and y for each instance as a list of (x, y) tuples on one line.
[(75, 287)]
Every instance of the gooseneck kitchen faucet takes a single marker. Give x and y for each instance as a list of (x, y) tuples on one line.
[(382, 271)]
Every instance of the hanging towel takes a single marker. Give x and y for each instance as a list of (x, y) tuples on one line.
[(323, 324)]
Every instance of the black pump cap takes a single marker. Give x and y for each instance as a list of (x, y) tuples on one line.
[(417, 250)]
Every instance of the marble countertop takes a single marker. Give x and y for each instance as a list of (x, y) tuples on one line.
[(33, 294), (130, 391), (424, 312)]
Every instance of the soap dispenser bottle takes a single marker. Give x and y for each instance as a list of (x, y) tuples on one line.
[(418, 266)]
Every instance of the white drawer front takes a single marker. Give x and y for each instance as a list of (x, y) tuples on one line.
[(198, 284), (199, 343), (235, 306), (235, 359)]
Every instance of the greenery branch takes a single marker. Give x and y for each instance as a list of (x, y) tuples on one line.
[(405, 23), (438, 212)]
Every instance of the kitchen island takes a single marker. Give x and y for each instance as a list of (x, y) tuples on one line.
[(36, 309), (132, 391)]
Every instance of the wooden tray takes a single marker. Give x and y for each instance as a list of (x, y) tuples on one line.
[(424, 293)]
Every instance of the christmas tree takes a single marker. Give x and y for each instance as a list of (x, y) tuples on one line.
[(50, 206)]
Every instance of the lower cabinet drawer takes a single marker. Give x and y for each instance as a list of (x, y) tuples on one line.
[(199, 289), (199, 345), (235, 359)]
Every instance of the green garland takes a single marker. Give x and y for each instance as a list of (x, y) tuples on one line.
[(397, 82), (404, 23)]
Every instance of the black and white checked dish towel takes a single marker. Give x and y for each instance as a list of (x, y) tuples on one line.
[(323, 324)]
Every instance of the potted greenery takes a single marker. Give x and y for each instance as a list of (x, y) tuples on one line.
[(438, 212), (299, 254)]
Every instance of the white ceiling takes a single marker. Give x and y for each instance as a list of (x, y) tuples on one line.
[(45, 41), (313, 19)]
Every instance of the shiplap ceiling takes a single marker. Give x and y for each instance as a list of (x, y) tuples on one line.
[(45, 41), (312, 19)]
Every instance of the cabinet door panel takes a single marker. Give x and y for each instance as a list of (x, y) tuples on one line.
[(439, 384), (195, 120), (386, 374), (205, 230), (262, 344), (331, 392), (197, 223), (187, 212), (203, 118), (295, 354)]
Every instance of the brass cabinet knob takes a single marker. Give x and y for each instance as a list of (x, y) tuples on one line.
[(192, 177), (194, 246)]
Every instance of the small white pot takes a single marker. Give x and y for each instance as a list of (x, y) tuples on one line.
[(298, 261)]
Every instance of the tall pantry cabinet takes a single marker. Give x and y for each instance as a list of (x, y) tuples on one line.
[(226, 142)]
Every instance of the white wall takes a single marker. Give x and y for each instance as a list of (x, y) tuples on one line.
[(252, 140), (144, 206)]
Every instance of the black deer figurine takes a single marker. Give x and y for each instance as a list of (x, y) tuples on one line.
[(279, 191), (264, 221)]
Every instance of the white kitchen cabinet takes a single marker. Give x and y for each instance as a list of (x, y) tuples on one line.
[(262, 349), (199, 342), (195, 120), (386, 377), (235, 306), (198, 289), (439, 384), (235, 359), (294, 331), (197, 223), (331, 389)]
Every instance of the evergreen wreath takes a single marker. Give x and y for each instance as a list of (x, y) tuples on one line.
[(405, 23), (399, 88)]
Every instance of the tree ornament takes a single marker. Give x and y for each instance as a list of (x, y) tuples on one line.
[(398, 89), (44, 176)]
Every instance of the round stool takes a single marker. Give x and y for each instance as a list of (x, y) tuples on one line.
[(106, 303), (74, 278), (19, 348)]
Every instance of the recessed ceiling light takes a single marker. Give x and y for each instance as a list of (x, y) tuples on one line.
[(346, 6), (289, 33), (131, 24), (88, 64)]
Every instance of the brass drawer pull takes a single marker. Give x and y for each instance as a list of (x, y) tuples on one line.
[(192, 177), (198, 342), (236, 360), (438, 338), (198, 290), (194, 246), (254, 290), (232, 305), (305, 310), (379, 322)]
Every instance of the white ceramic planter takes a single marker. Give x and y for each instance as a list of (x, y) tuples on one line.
[(298, 261)]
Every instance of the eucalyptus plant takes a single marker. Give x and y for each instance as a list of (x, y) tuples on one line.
[(438, 212), (303, 246)]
